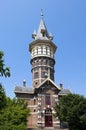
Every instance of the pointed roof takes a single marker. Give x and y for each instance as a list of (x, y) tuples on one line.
[(48, 79), (42, 29), (42, 32)]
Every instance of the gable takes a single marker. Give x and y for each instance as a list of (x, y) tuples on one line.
[(48, 86)]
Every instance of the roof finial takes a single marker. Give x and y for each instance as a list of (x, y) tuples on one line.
[(42, 13)]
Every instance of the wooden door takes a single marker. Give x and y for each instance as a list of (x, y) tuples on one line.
[(48, 118), (48, 121)]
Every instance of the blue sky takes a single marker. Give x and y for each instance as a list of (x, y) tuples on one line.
[(65, 19)]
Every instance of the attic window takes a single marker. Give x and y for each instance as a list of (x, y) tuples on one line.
[(43, 34)]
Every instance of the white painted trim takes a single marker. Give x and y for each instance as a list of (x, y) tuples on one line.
[(56, 122), (54, 95), (34, 113), (32, 106), (40, 122)]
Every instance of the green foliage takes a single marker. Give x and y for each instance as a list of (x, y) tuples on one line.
[(4, 71), (14, 115), (2, 97), (72, 109), (13, 112)]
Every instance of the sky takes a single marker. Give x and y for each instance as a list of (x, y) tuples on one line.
[(65, 19)]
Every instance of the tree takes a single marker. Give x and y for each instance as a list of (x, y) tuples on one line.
[(4, 71), (13, 112), (72, 109), (2, 97), (14, 115)]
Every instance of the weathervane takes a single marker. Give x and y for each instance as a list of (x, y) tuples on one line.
[(42, 13)]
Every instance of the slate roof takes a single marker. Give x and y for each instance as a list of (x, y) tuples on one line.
[(23, 89), (42, 28), (64, 92)]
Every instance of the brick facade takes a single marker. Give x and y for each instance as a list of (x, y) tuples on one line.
[(44, 93)]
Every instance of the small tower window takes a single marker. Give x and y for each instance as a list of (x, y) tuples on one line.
[(36, 75), (43, 74)]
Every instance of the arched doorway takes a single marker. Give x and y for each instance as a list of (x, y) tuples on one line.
[(48, 118)]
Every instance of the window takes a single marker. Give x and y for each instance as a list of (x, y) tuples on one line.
[(52, 74), (35, 51), (44, 50), (36, 75), (43, 74), (47, 100), (43, 34), (39, 50), (34, 101)]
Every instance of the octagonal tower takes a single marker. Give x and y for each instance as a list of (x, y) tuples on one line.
[(42, 51)]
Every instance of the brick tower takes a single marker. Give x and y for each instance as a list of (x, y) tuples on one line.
[(42, 51), (44, 93)]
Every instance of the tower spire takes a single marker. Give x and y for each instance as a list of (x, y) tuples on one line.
[(42, 32)]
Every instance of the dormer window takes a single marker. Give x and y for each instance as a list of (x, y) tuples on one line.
[(43, 34)]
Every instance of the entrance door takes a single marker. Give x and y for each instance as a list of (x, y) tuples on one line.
[(48, 117), (48, 121)]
